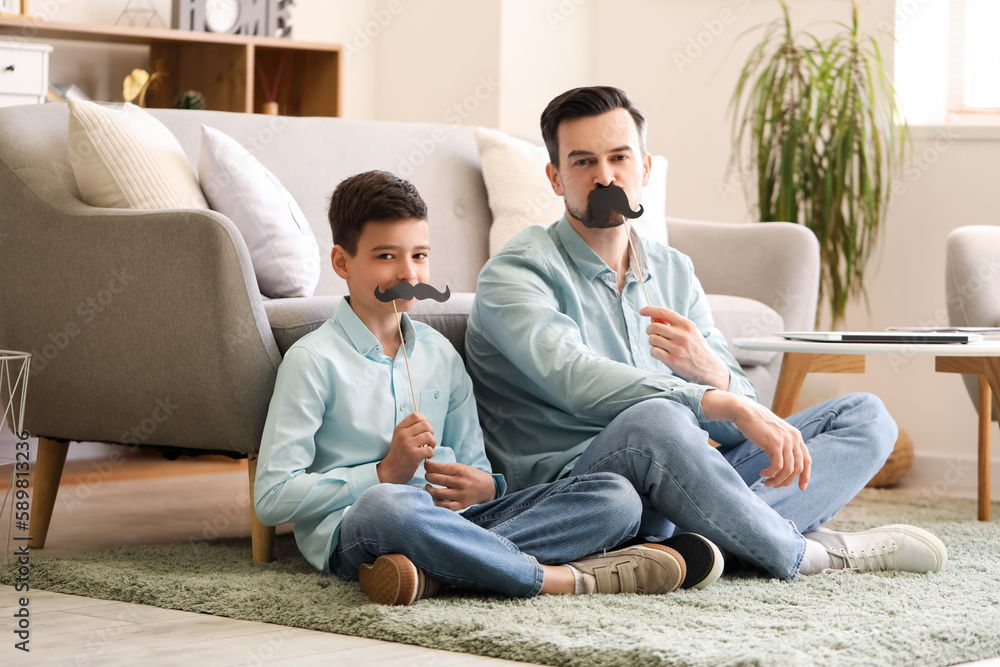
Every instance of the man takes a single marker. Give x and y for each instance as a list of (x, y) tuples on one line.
[(576, 373)]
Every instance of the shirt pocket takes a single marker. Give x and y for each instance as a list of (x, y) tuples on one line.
[(434, 406)]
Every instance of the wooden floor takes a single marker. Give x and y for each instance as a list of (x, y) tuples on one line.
[(146, 501)]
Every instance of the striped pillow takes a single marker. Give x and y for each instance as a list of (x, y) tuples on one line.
[(122, 157)]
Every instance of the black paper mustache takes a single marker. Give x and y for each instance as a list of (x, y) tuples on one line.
[(406, 291), (604, 200)]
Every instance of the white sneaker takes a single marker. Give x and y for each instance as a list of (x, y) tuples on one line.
[(897, 547)]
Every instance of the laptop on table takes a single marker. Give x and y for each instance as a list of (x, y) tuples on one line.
[(912, 337)]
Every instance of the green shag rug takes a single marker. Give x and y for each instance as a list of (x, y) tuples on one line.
[(847, 619)]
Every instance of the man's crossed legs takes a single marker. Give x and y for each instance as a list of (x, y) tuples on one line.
[(659, 446)]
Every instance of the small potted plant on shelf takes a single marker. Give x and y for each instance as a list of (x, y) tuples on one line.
[(190, 99)]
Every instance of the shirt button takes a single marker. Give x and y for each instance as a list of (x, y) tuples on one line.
[(437, 394), (402, 408)]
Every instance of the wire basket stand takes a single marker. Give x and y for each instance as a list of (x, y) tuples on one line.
[(14, 368)]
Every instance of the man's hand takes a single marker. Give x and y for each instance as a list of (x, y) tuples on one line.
[(680, 346), (464, 485), (412, 442), (781, 441)]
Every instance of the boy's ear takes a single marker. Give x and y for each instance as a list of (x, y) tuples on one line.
[(338, 257)]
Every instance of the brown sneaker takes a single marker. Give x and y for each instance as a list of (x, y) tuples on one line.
[(393, 579), (647, 569)]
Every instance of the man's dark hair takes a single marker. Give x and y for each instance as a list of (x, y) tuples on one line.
[(582, 103), (372, 196)]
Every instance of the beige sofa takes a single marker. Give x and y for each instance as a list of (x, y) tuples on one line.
[(130, 311)]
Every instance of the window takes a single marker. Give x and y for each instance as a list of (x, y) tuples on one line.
[(947, 60), (974, 56)]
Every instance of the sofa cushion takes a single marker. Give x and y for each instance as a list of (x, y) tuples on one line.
[(291, 319), (282, 247), (520, 194), (122, 157), (739, 317)]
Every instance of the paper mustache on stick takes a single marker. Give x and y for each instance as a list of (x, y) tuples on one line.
[(406, 291), (605, 200), (602, 202)]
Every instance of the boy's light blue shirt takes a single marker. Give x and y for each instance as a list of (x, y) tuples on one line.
[(336, 401), (557, 352)]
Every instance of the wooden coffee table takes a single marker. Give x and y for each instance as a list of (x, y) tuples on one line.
[(803, 357)]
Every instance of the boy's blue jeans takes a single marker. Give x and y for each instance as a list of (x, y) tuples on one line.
[(659, 446), (497, 546)]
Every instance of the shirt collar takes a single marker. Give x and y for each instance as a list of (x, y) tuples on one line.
[(586, 260), (361, 338)]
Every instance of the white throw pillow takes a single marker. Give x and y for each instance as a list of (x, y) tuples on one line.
[(122, 157), (520, 194), (282, 247)]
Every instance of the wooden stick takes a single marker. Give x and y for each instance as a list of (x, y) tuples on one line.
[(402, 342), (635, 261)]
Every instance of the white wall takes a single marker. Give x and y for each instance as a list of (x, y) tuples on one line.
[(438, 67), (544, 48), (415, 61)]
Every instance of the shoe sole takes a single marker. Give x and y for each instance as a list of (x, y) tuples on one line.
[(391, 580), (703, 559), (676, 568), (919, 534)]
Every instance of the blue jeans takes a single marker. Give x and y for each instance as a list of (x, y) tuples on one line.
[(497, 546), (659, 446)]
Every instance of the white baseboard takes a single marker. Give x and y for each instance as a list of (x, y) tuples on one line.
[(936, 474)]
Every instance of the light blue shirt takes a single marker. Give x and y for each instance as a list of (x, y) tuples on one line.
[(556, 352), (336, 401)]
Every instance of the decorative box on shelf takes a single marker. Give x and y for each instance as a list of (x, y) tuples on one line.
[(24, 72)]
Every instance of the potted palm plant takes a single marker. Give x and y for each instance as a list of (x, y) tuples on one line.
[(817, 124)]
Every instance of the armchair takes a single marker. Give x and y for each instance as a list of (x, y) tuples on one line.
[(972, 289)]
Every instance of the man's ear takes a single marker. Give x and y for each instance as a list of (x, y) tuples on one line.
[(338, 257), (552, 172), (647, 165)]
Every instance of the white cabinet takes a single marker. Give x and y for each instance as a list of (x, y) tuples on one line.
[(24, 73)]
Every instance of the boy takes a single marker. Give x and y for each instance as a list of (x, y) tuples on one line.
[(405, 500)]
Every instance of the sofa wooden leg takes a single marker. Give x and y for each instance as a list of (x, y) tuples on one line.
[(261, 536), (48, 471)]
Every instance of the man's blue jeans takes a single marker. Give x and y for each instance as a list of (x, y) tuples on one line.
[(497, 546), (659, 446)]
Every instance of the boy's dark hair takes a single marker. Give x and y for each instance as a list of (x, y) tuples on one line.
[(582, 103), (372, 196)]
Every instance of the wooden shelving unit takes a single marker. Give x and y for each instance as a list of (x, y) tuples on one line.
[(221, 67)]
